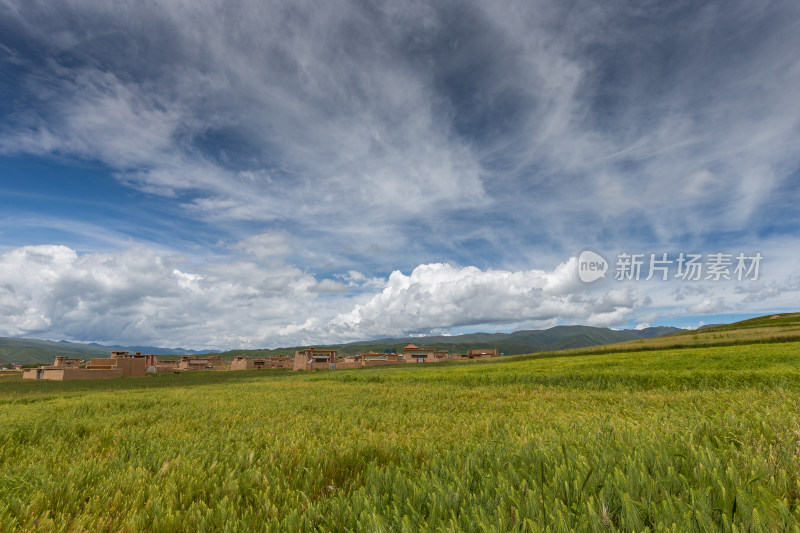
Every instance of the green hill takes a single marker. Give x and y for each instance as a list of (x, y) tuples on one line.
[(32, 351), (580, 339), (766, 329), (35, 351), (518, 342), (28, 351)]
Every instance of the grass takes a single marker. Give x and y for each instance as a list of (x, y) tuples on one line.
[(762, 330), (692, 439)]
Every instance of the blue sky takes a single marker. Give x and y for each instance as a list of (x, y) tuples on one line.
[(218, 175)]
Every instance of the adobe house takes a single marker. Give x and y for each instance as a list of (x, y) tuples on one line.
[(379, 359), (242, 362), (130, 364), (441, 355), (313, 358), (279, 361), (62, 361), (416, 354), (167, 365), (282, 361), (483, 352), (192, 362), (149, 359), (120, 364), (478, 354), (351, 361)]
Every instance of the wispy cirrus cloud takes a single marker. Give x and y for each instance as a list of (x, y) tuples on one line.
[(248, 113)]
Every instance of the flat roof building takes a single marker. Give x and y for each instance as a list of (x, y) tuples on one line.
[(243, 362), (63, 361), (313, 358), (381, 358), (120, 364), (479, 353), (193, 362), (167, 365)]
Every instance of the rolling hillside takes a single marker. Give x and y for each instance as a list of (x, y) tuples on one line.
[(26, 351), (31, 351), (518, 342), (766, 329)]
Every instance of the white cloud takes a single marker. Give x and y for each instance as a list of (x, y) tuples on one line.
[(329, 285), (266, 247), (761, 291), (708, 305), (137, 297), (356, 127), (282, 116), (692, 328), (443, 296)]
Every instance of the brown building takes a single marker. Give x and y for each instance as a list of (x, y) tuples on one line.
[(379, 359), (417, 354), (480, 353), (149, 359), (120, 364), (351, 361), (442, 355), (483, 352), (282, 361), (192, 362), (242, 362), (62, 361), (167, 365), (313, 358)]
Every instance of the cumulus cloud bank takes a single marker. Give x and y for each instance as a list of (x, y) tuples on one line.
[(440, 296), (137, 296)]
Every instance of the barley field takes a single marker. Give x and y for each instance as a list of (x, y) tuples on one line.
[(761, 330), (693, 439)]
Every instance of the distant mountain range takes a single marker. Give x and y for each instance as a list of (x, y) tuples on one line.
[(28, 351), (518, 342), (555, 338)]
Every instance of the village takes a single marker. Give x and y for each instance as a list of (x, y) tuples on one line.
[(126, 364)]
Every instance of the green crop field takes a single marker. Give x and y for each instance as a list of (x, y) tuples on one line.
[(691, 439), (766, 329)]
